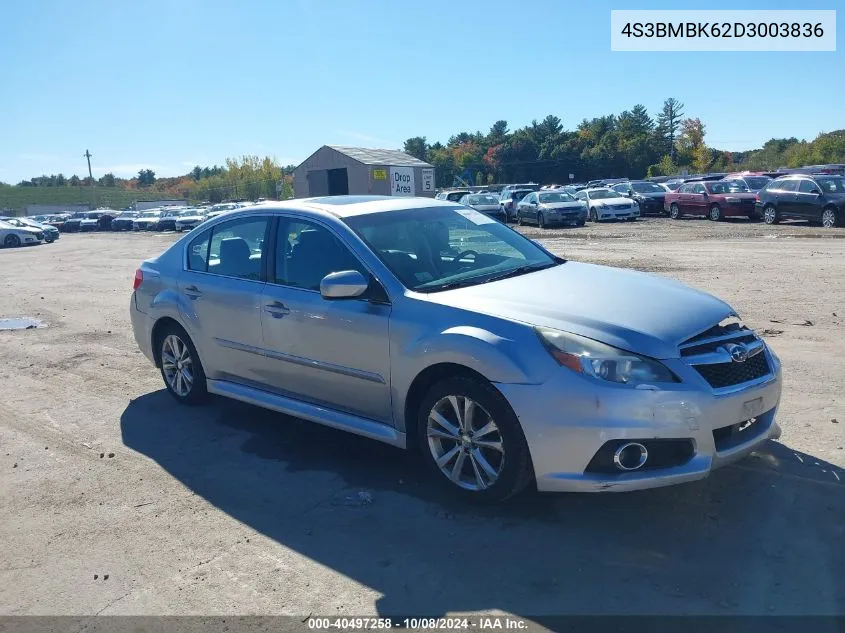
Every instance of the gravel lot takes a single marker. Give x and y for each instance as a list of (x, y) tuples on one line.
[(117, 501)]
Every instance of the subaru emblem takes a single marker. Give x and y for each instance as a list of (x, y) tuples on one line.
[(738, 352)]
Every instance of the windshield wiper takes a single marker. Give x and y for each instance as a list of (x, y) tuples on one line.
[(521, 270)]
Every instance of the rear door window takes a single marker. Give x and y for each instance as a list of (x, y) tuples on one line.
[(237, 248)]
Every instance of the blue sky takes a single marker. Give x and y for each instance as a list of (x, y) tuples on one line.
[(169, 84)]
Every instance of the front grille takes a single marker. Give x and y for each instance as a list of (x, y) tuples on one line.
[(728, 374), (713, 346), (619, 207)]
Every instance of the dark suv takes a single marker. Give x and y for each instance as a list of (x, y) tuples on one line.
[(818, 198)]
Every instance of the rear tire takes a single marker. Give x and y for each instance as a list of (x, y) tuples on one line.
[(674, 211), (484, 458), (541, 221), (771, 215), (518, 219), (180, 366)]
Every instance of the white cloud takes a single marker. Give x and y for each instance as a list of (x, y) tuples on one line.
[(38, 157), (358, 136)]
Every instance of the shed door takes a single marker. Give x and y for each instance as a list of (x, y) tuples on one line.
[(338, 182)]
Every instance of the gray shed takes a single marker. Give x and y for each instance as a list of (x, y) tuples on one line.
[(337, 171)]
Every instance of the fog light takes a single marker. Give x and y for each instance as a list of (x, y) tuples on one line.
[(630, 456)]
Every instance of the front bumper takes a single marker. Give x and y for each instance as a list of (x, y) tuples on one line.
[(569, 418), (565, 217)]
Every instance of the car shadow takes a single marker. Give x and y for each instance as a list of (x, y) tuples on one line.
[(763, 536)]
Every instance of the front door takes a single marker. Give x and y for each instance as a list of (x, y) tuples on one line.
[(221, 296), (328, 352), (808, 199)]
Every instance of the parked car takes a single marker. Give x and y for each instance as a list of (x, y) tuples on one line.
[(72, 224), (432, 327), (167, 221), (51, 233), (91, 221), (673, 185), (57, 220), (12, 236), (190, 218), (123, 222), (147, 220), (486, 203), (607, 204), (508, 200), (452, 195), (648, 195), (544, 208), (223, 207), (819, 198), (716, 199), (753, 181)]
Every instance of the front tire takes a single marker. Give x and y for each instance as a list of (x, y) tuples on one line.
[(471, 440), (674, 211), (12, 241), (180, 366), (715, 213), (518, 219), (594, 216), (541, 221)]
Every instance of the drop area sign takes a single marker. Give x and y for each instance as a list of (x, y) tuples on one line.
[(402, 181)]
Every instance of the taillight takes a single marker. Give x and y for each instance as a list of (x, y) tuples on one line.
[(139, 278)]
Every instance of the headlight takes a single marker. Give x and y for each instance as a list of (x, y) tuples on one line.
[(586, 356)]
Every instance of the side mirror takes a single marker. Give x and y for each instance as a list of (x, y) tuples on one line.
[(346, 284)]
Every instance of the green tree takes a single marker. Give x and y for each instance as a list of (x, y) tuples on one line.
[(107, 180), (146, 177), (668, 123), (74, 181), (417, 147), (60, 180), (701, 159)]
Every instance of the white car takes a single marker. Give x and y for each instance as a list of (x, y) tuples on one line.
[(13, 236), (217, 209), (607, 204), (189, 219), (148, 220)]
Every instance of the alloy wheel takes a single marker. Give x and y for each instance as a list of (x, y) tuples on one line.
[(465, 442), (715, 213), (177, 365), (828, 218), (674, 211), (769, 215)]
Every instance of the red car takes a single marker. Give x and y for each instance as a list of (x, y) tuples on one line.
[(717, 199)]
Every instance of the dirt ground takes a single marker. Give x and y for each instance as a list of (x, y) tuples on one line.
[(117, 501)]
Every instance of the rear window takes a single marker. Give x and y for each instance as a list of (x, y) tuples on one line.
[(756, 182)]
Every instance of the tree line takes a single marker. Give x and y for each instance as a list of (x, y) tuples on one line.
[(631, 144)]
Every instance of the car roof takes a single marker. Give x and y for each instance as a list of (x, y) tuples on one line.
[(345, 206)]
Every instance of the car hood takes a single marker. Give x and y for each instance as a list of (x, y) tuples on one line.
[(619, 200), (654, 195), (639, 312), (147, 219), (25, 229), (190, 218), (487, 207)]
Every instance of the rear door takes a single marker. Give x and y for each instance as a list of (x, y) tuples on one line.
[(220, 290), (787, 198), (698, 200), (328, 352)]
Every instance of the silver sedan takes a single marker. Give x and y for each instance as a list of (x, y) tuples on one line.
[(433, 327)]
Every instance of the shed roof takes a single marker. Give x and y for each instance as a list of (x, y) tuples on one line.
[(380, 156)]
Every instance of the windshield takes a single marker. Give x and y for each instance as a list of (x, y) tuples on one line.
[(832, 184), (727, 186), (483, 200), (756, 182), (556, 197), (647, 187), (190, 212), (455, 196), (520, 194), (432, 249), (150, 214), (603, 194)]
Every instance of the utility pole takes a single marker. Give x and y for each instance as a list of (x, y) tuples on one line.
[(88, 155)]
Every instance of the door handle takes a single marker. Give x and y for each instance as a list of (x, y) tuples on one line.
[(276, 309), (193, 292)]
